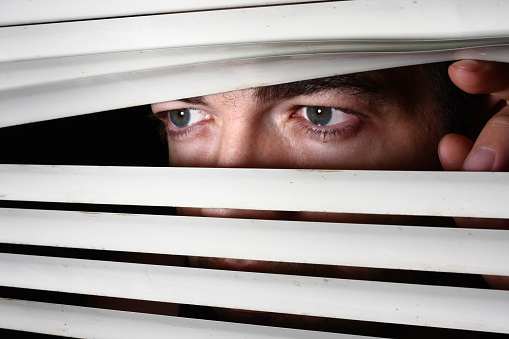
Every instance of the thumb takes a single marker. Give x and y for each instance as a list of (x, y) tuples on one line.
[(453, 151)]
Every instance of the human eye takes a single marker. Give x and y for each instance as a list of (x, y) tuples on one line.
[(326, 121), (180, 122), (324, 116), (185, 117)]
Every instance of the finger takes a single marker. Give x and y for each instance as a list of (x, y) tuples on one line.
[(491, 149), (481, 77), (490, 152), (453, 150)]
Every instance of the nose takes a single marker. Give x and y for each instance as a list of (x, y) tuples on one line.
[(237, 147), (240, 145)]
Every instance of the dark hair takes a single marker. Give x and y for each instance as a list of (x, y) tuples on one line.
[(456, 106)]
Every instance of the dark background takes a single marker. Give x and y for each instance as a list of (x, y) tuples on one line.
[(125, 137)]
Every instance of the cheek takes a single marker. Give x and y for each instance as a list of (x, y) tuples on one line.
[(190, 153), (414, 145), (399, 146), (392, 143)]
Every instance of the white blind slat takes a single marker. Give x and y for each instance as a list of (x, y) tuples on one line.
[(396, 247), (23, 12), (40, 65), (30, 73), (29, 104), (449, 307), (80, 322), (393, 20), (373, 192)]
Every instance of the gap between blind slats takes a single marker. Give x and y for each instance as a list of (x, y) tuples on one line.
[(23, 12), (73, 321), (380, 246), (459, 194), (447, 307)]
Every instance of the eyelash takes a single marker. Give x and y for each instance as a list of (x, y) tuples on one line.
[(321, 133), (177, 133), (328, 134)]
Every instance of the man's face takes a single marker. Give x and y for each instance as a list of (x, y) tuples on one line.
[(376, 120), (383, 120)]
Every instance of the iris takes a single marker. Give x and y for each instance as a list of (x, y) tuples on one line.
[(319, 116), (180, 117)]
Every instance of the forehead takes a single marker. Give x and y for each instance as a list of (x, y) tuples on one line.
[(400, 84)]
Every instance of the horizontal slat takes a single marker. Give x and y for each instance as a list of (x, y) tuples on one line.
[(80, 322), (24, 105), (374, 192), (141, 60), (21, 12), (29, 73), (397, 247), (389, 20), (462, 308)]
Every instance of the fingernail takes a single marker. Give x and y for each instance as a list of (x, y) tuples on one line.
[(481, 160), (468, 65)]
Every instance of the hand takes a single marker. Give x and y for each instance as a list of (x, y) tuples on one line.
[(490, 152), (491, 149)]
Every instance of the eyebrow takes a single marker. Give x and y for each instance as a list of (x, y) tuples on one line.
[(354, 84), (195, 100)]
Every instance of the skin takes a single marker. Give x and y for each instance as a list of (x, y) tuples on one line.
[(490, 151), (228, 130), (389, 126)]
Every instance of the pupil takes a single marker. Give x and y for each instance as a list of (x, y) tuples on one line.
[(319, 116), (180, 117)]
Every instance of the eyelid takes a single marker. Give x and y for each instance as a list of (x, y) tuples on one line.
[(300, 112), (198, 119), (173, 105), (351, 124), (161, 110)]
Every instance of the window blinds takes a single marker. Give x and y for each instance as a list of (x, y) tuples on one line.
[(145, 59), (67, 58)]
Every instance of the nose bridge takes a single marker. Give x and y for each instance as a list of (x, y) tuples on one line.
[(238, 143)]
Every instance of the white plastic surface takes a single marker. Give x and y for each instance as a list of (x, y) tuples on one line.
[(397, 247), (449, 307), (56, 70), (95, 94), (21, 12), (396, 20), (31, 73), (80, 322), (373, 192)]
